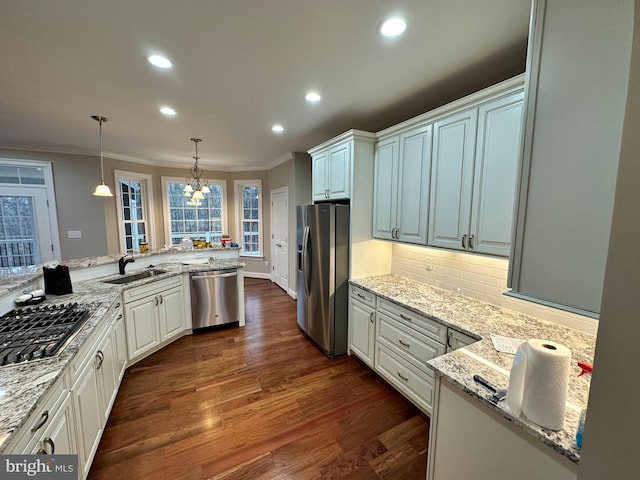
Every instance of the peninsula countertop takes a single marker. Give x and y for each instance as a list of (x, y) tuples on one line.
[(24, 385), (479, 320)]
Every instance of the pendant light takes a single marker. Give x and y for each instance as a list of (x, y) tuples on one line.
[(102, 190), (196, 186)]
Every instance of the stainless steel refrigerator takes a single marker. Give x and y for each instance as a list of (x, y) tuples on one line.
[(323, 272)]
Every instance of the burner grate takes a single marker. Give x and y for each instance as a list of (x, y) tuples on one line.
[(37, 332)]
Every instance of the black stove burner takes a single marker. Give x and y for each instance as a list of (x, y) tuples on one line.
[(38, 332)]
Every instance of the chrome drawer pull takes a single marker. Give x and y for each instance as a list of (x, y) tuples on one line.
[(361, 296), (371, 317), (406, 379), (404, 344), (404, 317), (44, 417)]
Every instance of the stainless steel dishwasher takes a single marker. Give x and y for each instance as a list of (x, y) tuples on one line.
[(214, 298)]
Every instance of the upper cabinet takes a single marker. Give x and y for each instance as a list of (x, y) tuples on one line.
[(474, 176), (401, 186), (332, 172), (574, 119)]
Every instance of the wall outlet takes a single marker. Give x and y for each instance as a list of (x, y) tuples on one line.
[(74, 234), (266, 263), (428, 263)]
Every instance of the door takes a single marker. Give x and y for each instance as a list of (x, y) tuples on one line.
[(26, 237), (280, 237), (496, 170), (385, 189), (451, 180)]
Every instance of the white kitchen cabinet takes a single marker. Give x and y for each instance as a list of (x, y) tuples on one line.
[(171, 312), (331, 173), (401, 186), (153, 314), (58, 437), (457, 339), (473, 176), (362, 324)]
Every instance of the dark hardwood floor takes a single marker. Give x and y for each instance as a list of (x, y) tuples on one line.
[(259, 402)]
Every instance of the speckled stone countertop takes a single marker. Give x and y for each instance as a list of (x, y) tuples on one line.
[(23, 386), (479, 320)]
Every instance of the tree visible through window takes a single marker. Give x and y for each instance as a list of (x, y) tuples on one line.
[(200, 222), (250, 214)]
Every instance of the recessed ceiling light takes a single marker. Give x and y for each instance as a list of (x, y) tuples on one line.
[(160, 61), (312, 97), (392, 27), (167, 111), (277, 128)]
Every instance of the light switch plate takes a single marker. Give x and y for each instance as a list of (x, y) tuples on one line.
[(428, 263), (74, 234)]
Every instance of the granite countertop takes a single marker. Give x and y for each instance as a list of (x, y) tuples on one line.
[(24, 385), (479, 320)]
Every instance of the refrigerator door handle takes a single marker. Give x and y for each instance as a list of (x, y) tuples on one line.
[(305, 260)]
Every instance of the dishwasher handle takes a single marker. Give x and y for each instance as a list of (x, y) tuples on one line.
[(219, 275)]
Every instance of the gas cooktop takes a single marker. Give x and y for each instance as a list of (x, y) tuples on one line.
[(39, 332)]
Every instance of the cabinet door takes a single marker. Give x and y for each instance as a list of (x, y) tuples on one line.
[(456, 340), (106, 375), (339, 178), (413, 190), (320, 174), (385, 188), (142, 326), (451, 180), (88, 416), (495, 178), (120, 345), (58, 438), (361, 331), (171, 312)]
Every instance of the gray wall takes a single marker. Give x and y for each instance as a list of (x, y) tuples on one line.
[(610, 448), (75, 177)]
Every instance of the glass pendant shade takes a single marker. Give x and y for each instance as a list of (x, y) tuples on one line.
[(188, 188), (205, 189), (197, 195), (103, 190)]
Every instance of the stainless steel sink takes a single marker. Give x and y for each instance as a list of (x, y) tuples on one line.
[(135, 276)]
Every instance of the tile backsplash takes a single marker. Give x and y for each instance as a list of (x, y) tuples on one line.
[(476, 276)]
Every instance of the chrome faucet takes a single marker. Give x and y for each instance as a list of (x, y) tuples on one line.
[(123, 263)]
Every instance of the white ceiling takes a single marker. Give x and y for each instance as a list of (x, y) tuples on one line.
[(239, 67)]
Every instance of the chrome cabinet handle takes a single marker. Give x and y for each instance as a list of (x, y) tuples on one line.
[(371, 317), (49, 441), (119, 317), (404, 317), (100, 358), (43, 419), (161, 299), (404, 344), (118, 305), (471, 241), (156, 299), (449, 336), (361, 295), (464, 241), (406, 379)]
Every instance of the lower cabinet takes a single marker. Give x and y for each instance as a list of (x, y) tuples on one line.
[(153, 313), (397, 343), (362, 324), (96, 375)]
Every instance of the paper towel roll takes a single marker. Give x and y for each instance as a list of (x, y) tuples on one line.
[(538, 382)]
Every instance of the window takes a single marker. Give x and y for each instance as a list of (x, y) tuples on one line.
[(249, 207), (28, 220), (134, 219), (206, 221)]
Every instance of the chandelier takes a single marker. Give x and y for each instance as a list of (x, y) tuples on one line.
[(196, 186)]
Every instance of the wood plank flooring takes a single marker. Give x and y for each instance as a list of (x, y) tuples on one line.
[(259, 402)]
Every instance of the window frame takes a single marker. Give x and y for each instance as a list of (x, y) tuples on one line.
[(238, 190), (146, 181), (49, 187), (166, 211)]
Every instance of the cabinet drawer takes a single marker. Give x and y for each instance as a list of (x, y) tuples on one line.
[(363, 296), (415, 384), (407, 342), (419, 322), (151, 288)]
